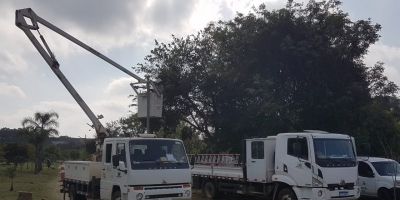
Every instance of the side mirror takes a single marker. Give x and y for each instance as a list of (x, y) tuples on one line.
[(115, 160), (121, 165), (193, 159)]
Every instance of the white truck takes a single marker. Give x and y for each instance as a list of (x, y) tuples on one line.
[(379, 177), (128, 168), (306, 165), (132, 169)]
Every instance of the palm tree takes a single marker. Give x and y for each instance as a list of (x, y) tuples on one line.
[(40, 128)]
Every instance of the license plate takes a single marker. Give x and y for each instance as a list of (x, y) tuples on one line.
[(344, 193)]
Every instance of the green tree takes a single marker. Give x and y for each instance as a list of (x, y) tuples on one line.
[(295, 68), (132, 125), (52, 153), (1, 153), (16, 154), (74, 155), (11, 172), (39, 129)]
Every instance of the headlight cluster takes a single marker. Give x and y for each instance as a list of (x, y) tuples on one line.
[(139, 196), (320, 193), (316, 182), (187, 193)]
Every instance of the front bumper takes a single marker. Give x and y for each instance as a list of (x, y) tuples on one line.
[(325, 193), (159, 193)]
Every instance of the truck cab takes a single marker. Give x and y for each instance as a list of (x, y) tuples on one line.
[(317, 165), (144, 168)]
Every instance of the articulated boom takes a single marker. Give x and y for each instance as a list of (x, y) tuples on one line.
[(21, 17)]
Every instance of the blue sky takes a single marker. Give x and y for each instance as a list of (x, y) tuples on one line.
[(125, 31)]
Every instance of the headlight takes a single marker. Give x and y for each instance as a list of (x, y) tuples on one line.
[(139, 196), (320, 193), (187, 193), (316, 182)]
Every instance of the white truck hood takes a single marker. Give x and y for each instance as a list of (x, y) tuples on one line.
[(159, 176), (338, 175)]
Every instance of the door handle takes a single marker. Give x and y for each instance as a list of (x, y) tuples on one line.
[(253, 161)]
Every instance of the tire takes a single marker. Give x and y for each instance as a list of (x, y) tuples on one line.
[(384, 194), (209, 190), (286, 194), (72, 193), (116, 195)]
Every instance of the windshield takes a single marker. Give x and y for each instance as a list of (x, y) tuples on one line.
[(157, 154), (388, 168), (334, 152)]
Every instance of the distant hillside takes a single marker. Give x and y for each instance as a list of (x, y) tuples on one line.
[(9, 136)]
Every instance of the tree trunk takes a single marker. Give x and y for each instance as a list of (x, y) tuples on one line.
[(40, 166), (38, 160), (12, 184)]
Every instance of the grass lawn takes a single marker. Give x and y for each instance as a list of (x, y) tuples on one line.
[(42, 186)]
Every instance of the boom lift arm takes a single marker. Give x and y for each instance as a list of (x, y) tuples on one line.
[(20, 21)]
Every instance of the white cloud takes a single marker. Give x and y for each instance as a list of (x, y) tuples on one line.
[(390, 55), (11, 91), (120, 86), (11, 64), (71, 118), (115, 101)]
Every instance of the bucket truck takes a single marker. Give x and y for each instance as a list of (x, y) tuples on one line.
[(132, 168)]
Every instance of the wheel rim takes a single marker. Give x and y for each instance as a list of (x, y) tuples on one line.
[(71, 194), (286, 197), (209, 191), (116, 197)]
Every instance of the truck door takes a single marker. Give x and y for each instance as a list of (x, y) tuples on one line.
[(297, 161), (255, 163), (366, 179), (120, 173), (106, 174)]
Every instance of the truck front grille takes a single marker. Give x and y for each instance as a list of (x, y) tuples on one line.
[(157, 196), (165, 187), (347, 186)]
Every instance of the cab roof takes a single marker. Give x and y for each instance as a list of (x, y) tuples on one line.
[(373, 159), (136, 138), (313, 133), (316, 134)]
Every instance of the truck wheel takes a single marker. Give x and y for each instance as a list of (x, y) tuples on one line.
[(116, 195), (72, 193), (384, 194), (209, 190), (286, 194)]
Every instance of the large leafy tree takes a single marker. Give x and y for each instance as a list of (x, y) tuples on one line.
[(39, 128), (295, 68)]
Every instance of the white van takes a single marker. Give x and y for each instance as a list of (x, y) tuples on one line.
[(378, 177)]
